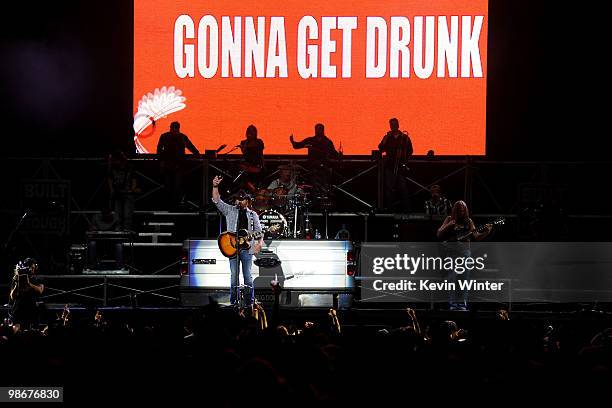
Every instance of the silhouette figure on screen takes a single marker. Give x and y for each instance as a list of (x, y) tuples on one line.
[(252, 152), (171, 151), (321, 155), (397, 146)]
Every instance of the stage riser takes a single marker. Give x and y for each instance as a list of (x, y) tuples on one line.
[(305, 266), (314, 264)]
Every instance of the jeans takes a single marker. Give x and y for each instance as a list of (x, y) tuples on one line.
[(246, 261), (459, 297)]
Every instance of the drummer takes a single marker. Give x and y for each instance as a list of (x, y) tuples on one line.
[(286, 181)]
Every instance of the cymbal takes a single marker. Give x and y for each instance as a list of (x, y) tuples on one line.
[(304, 186)]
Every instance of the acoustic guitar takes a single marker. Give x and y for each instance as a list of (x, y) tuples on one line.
[(231, 242)]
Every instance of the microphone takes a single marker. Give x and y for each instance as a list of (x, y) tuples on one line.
[(223, 146)]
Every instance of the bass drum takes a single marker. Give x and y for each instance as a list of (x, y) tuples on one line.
[(270, 218)]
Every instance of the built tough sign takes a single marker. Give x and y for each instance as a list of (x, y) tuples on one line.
[(46, 206)]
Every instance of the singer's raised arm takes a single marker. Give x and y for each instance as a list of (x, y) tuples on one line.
[(216, 197)]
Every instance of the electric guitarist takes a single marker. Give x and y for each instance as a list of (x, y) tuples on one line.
[(397, 147), (459, 228), (239, 217)]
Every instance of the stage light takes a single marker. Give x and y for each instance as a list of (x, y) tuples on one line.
[(184, 266), (351, 267)]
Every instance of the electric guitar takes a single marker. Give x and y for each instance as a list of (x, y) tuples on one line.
[(231, 242), (477, 230)]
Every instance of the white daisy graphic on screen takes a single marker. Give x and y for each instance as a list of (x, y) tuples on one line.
[(151, 107)]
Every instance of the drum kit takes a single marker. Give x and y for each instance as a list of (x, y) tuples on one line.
[(290, 211), (277, 207)]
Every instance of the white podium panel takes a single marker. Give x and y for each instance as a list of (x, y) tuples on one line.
[(297, 264)]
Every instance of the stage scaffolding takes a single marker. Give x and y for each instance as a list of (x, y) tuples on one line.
[(522, 191)]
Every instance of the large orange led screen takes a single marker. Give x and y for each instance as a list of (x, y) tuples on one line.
[(219, 66)]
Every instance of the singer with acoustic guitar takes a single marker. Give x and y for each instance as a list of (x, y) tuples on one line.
[(239, 217)]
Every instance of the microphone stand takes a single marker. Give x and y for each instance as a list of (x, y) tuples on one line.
[(14, 231), (225, 154), (5, 248), (238, 176), (236, 282)]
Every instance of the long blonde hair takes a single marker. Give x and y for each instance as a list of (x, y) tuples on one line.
[(455, 212)]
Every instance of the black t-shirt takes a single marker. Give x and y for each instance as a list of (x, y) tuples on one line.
[(121, 179), (320, 148), (253, 153), (459, 230), (171, 147), (243, 222), (394, 145)]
